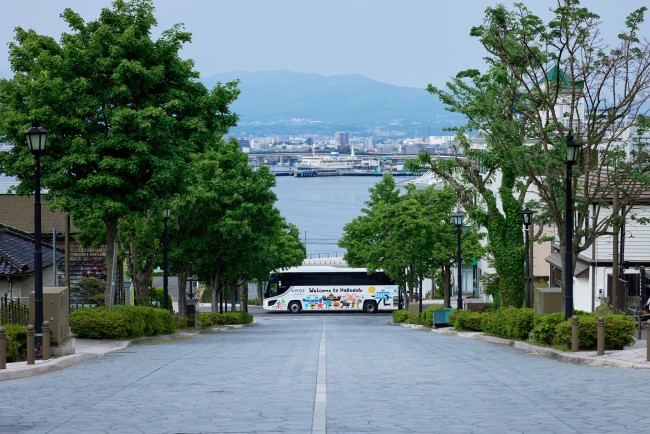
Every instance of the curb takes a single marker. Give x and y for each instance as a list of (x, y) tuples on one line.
[(22, 369), (550, 353)]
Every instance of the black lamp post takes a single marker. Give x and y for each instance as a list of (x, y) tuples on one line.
[(527, 216), (573, 150), (190, 281), (36, 138), (458, 221), (166, 214)]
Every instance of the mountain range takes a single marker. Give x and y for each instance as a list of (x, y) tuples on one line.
[(292, 103)]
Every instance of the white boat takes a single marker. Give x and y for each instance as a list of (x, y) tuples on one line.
[(327, 165)]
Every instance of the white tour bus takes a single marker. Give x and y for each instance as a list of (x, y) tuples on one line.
[(321, 288)]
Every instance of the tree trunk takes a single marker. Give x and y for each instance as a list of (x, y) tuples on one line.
[(111, 235), (244, 296), (446, 284), (182, 292), (233, 295), (213, 283)]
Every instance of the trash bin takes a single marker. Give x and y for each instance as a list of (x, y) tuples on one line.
[(441, 317)]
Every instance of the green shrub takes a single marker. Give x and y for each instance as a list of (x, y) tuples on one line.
[(414, 318), (212, 319), (91, 290), (509, 323), (400, 316), (123, 322), (16, 336), (544, 327), (619, 331), (426, 317), (467, 320)]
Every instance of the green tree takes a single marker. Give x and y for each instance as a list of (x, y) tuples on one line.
[(232, 229), (125, 113), (542, 79), (410, 236)]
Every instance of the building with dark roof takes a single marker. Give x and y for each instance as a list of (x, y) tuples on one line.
[(17, 214), (17, 263)]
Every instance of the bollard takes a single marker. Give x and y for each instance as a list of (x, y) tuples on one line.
[(3, 348), (647, 340), (601, 337), (30, 345), (46, 340), (574, 333)]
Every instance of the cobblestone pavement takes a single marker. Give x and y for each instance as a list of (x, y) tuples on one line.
[(340, 373)]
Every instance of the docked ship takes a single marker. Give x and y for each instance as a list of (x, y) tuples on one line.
[(327, 165)]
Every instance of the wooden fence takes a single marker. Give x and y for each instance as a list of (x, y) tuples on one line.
[(13, 312)]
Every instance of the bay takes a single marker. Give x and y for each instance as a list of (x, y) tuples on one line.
[(321, 206)]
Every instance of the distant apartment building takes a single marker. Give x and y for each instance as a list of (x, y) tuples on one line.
[(342, 139), (370, 142)]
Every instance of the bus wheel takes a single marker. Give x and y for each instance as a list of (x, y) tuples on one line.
[(295, 307), (370, 307)]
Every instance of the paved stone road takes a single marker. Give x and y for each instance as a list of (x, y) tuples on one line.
[(334, 373)]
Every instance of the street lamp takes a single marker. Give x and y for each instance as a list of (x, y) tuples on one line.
[(36, 138), (166, 213), (573, 150), (527, 216), (190, 281), (458, 221)]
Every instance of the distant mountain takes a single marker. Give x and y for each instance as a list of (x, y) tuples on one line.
[(284, 102)]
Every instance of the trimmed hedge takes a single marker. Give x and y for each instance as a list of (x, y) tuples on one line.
[(467, 320), (619, 331), (522, 325), (122, 323), (16, 336), (509, 323), (212, 319), (544, 327), (400, 316)]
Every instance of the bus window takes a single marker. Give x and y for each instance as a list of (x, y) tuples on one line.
[(275, 287)]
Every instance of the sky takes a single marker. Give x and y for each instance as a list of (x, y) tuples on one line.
[(402, 42)]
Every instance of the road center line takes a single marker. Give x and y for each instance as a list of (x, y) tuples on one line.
[(319, 420)]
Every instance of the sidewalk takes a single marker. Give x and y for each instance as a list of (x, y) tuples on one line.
[(86, 349), (633, 356)]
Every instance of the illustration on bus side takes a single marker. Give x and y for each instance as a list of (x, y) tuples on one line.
[(322, 287), (316, 301)]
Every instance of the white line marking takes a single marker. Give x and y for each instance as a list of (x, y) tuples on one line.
[(319, 419)]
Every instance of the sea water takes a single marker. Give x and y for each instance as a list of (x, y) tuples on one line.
[(321, 206)]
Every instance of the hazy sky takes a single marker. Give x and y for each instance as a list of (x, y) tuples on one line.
[(402, 42)]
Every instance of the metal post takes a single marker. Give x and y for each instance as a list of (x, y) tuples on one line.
[(601, 337), (30, 345), (46, 340), (38, 259), (165, 265), (3, 348), (568, 254), (460, 277), (420, 295), (527, 265), (574, 334), (647, 340)]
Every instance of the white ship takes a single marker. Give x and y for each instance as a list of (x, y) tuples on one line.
[(327, 165)]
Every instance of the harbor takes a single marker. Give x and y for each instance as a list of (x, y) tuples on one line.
[(331, 164)]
